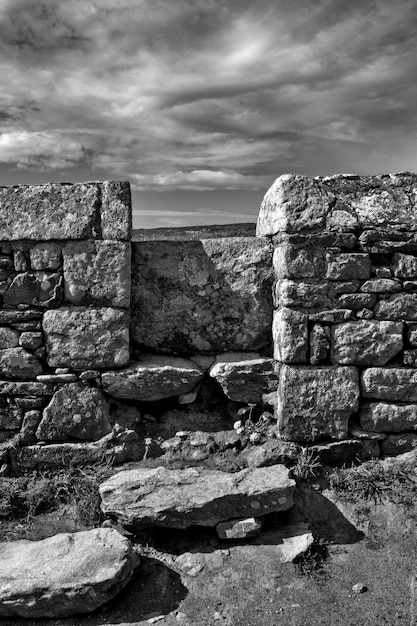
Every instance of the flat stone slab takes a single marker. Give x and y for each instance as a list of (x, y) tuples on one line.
[(195, 496), (153, 378), (63, 575), (245, 377)]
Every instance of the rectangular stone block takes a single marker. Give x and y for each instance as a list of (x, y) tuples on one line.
[(116, 210), (290, 293), (52, 211), (357, 301), (97, 272), (347, 266), (45, 256), (366, 342), (316, 402), (83, 338), (394, 384), (388, 417), (292, 261), (290, 336), (207, 296), (399, 306)]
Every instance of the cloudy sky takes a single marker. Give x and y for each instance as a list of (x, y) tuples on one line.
[(200, 104)]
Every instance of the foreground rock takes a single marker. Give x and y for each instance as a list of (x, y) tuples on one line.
[(195, 496), (65, 574)]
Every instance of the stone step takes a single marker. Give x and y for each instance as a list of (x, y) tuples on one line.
[(195, 496), (63, 575)]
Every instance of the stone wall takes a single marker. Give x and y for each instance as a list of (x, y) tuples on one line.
[(229, 351), (345, 299)]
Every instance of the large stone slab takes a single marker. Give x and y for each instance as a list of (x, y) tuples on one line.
[(64, 575), (366, 342), (388, 417), (195, 496), (97, 272), (300, 204), (207, 296), (84, 338), (18, 364), (394, 384), (316, 402), (52, 211), (76, 412), (153, 378), (245, 377)]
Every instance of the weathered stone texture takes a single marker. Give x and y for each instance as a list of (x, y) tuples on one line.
[(245, 377), (239, 528), (45, 256), (405, 265), (290, 336), (289, 293), (194, 496), (10, 417), (83, 338), (97, 272), (366, 342), (347, 266), (212, 295), (76, 412), (316, 402), (393, 384), (116, 210), (388, 417), (52, 211), (398, 444), (381, 285), (294, 262), (152, 378), (18, 364), (64, 575), (319, 344), (35, 288), (357, 301), (400, 306), (8, 338)]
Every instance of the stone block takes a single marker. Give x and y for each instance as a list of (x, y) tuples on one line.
[(289, 293), (27, 435), (316, 402), (9, 338), (388, 417), (290, 336), (357, 301), (19, 261), (97, 272), (207, 296), (18, 364), (400, 306), (45, 256), (347, 266), (319, 344), (83, 338), (394, 445), (6, 267), (75, 412), (116, 210), (404, 265), (394, 384), (35, 288), (14, 388), (381, 285), (10, 417), (30, 340), (412, 334), (239, 528), (345, 286), (52, 211), (410, 358), (152, 378), (294, 262), (366, 342), (245, 377)]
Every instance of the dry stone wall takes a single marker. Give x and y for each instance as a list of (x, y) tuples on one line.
[(345, 299), (226, 351)]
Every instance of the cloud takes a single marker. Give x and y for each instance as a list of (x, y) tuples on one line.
[(209, 94)]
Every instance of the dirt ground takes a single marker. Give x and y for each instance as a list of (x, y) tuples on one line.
[(374, 545)]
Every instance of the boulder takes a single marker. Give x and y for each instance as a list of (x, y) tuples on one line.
[(19, 364), (97, 272), (245, 377), (388, 417), (76, 412), (64, 575), (83, 338), (152, 378), (366, 342), (208, 296), (316, 402), (194, 496)]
